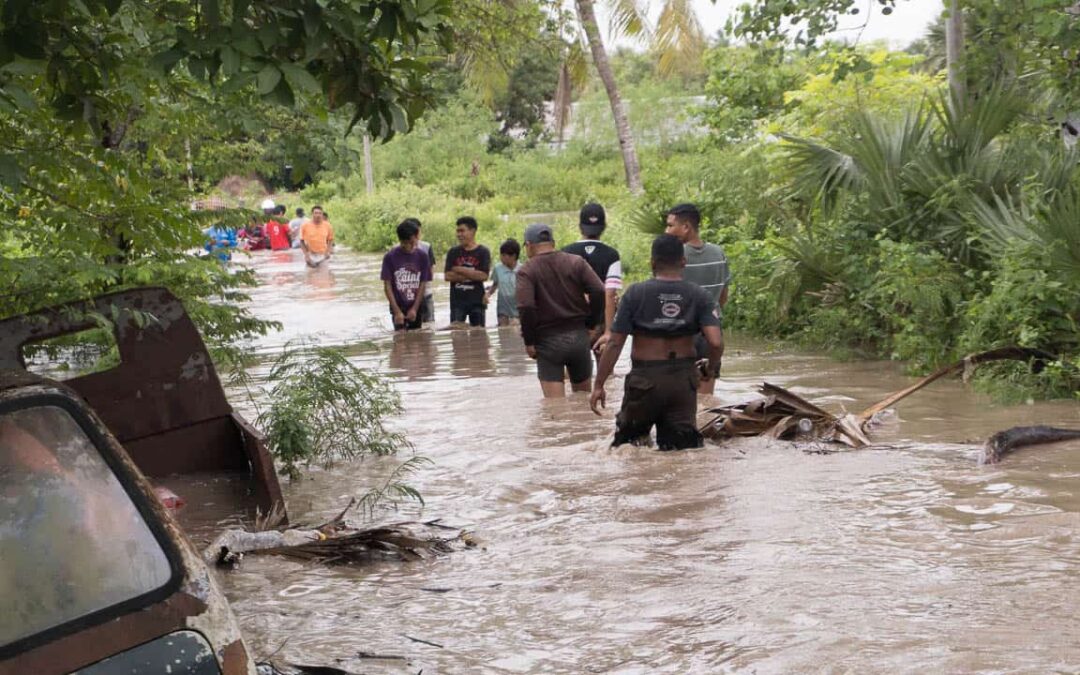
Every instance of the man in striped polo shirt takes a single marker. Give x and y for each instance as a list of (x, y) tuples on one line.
[(706, 266)]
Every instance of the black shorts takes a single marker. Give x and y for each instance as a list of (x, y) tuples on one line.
[(569, 350), (474, 314), (415, 324), (664, 394)]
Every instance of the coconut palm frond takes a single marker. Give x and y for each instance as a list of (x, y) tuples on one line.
[(577, 61), (487, 75), (678, 35), (629, 18)]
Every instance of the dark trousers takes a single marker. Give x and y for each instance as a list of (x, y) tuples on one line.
[(474, 314), (415, 324), (664, 394)]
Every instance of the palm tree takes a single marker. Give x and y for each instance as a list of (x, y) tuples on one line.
[(587, 16), (677, 35), (921, 175)]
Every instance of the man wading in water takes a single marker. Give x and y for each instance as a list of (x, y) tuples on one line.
[(467, 268), (406, 271), (706, 266), (555, 317), (603, 259), (664, 314), (317, 238)]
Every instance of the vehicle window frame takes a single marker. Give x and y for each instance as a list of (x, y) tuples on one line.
[(129, 482)]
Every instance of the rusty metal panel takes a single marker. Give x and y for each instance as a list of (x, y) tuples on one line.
[(213, 445), (267, 487), (164, 401)]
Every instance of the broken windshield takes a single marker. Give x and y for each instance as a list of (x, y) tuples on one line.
[(71, 539)]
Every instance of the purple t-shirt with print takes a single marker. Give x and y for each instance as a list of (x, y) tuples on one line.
[(405, 272)]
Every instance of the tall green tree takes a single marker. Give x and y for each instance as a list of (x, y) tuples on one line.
[(677, 36), (93, 196)]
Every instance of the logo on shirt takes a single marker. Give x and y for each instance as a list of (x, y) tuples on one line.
[(407, 282), (670, 310), (589, 250)]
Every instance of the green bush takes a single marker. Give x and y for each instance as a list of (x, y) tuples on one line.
[(1024, 305), (322, 408)]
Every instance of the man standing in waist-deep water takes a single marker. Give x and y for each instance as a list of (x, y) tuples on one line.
[(317, 238), (467, 268), (706, 266), (664, 314), (556, 318), (602, 258), (406, 270)]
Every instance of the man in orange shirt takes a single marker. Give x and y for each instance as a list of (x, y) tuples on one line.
[(317, 238)]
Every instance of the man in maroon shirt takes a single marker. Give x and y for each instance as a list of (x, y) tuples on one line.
[(556, 318)]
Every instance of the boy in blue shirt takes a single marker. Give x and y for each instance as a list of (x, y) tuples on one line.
[(504, 280)]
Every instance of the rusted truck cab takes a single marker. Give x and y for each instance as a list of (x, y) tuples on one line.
[(95, 575), (162, 398)]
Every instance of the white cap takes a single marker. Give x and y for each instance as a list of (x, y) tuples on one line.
[(267, 204)]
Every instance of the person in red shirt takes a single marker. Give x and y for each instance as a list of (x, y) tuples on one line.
[(277, 230)]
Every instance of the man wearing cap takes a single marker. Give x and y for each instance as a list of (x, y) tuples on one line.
[(603, 259), (706, 266), (556, 318), (664, 314)]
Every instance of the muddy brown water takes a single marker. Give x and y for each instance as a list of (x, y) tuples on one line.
[(751, 556)]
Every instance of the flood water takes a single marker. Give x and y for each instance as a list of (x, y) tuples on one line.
[(750, 556)]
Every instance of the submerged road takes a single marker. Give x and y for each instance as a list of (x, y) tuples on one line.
[(753, 556)]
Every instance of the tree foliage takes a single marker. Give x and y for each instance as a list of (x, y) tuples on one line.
[(97, 57), (746, 84), (810, 19)]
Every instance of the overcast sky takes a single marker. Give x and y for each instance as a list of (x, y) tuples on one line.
[(908, 22)]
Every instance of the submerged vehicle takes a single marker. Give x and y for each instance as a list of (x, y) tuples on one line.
[(96, 576), (162, 400)]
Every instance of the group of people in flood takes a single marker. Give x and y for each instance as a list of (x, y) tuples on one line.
[(568, 307), (276, 232)]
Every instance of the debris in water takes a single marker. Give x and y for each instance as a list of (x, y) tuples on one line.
[(423, 642), (382, 657), (784, 415), (335, 542), (1004, 442)]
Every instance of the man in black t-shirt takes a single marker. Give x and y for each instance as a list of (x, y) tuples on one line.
[(663, 314), (467, 268), (602, 258)]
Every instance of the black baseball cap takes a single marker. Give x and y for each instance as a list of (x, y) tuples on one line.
[(593, 221)]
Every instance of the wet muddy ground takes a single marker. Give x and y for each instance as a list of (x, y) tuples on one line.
[(751, 556)]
